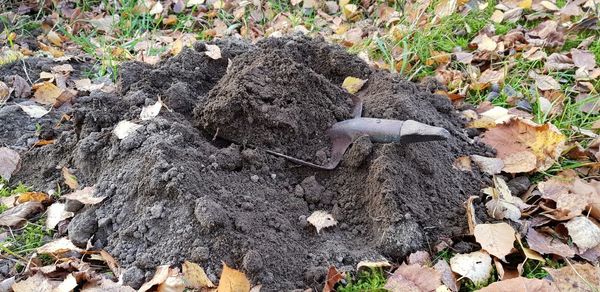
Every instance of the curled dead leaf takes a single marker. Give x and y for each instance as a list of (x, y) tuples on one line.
[(18, 215), (9, 162), (195, 276), (70, 179), (85, 196), (58, 246), (413, 278)]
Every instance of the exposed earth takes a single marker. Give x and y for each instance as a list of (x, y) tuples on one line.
[(195, 183)]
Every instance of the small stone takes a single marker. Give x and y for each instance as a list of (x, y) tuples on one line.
[(254, 178), (518, 185), (273, 176), (210, 214), (524, 106), (73, 206), (253, 262), (312, 190), (81, 228), (134, 277)]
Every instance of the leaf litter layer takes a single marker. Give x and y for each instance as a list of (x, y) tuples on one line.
[(194, 184)]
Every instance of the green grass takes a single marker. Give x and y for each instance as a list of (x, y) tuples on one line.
[(26, 240), (535, 269), (6, 191), (368, 280)]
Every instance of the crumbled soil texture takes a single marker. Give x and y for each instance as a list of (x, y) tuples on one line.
[(194, 183)]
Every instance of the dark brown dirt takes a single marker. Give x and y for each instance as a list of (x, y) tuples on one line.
[(175, 193)]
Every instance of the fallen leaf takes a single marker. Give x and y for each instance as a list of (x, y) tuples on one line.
[(9, 162), (575, 277), (195, 276), (33, 197), (373, 264), (546, 142), (497, 239), (56, 213), (85, 196), (157, 8), (521, 161), (232, 281), (413, 278), (37, 283), (488, 165), (520, 284), (525, 4), (583, 59), (332, 278), (544, 82), (447, 276), (160, 276), (173, 283), (497, 16), (321, 219), (64, 68), (46, 93), (213, 51), (503, 203), (151, 111), (477, 266), (18, 215), (70, 179), (67, 285), (86, 85), (176, 47), (54, 38), (58, 246), (485, 43), (584, 232), (353, 84), (462, 163), (34, 111), (445, 8), (471, 218), (125, 128), (547, 245), (4, 92)]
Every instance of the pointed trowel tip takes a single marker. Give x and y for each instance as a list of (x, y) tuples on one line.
[(413, 131)]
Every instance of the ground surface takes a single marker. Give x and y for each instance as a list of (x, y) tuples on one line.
[(514, 80), (174, 194)]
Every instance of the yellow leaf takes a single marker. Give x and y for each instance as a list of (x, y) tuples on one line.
[(176, 47), (70, 179), (54, 38), (353, 84), (546, 142), (46, 93), (195, 276), (233, 281), (525, 4), (33, 197), (170, 20), (349, 10)]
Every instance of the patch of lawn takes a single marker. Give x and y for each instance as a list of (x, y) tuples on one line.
[(370, 280)]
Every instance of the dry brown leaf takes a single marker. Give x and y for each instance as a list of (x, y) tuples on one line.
[(195, 276), (111, 262), (213, 52), (547, 245), (497, 239), (584, 232), (58, 246), (484, 43), (332, 278), (85, 196), (462, 163), (233, 281), (413, 278), (520, 284), (488, 165), (160, 276), (18, 215), (321, 219), (583, 59), (544, 82), (46, 93), (576, 277), (5, 92), (54, 38), (37, 282), (546, 142), (86, 85), (9, 162), (471, 218), (476, 266), (173, 283), (447, 276), (70, 179)]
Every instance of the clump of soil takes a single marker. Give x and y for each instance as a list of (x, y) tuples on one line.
[(194, 183)]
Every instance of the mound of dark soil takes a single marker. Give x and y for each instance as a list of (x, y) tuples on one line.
[(199, 186)]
